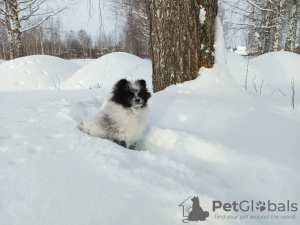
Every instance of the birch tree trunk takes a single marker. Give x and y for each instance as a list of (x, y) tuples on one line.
[(267, 32), (11, 44), (254, 35), (8, 28), (290, 41), (279, 9), (181, 39), (16, 27)]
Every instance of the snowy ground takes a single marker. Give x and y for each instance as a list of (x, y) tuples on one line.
[(106, 70), (82, 62), (35, 73), (207, 137), (270, 74)]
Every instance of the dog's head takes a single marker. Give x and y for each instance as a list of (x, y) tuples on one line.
[(131, 94)]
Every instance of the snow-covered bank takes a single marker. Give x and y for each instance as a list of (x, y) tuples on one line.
[(82, 62), (271, 73), (35, 73), (106, 70)]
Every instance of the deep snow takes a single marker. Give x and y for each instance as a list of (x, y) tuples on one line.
[(82, 62), (206, 137), (109, 68), (276, 70), (35, 73)]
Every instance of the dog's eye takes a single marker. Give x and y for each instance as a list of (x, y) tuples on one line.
[(131, 95)]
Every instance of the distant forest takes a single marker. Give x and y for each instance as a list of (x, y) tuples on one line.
[(31, 27)]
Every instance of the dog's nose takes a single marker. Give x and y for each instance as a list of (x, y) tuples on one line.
[(138, 101)]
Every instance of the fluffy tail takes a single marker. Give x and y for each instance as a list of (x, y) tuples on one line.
[(92, 128)]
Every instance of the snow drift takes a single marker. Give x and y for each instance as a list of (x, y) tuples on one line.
[(35, 72), (278, 67), (269, 74), (82, 62), (109, 68)]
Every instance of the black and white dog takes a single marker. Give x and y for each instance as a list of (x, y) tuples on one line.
[(123, 117)]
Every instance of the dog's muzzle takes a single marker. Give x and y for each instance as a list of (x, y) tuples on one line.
[(137, 102)]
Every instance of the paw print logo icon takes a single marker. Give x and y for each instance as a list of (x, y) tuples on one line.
[(261, 206)]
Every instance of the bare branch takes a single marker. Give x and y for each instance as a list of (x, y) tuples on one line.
[(43, 20), (261, 86), (293, 90), (281, 92), (26, 6), (256, 6)]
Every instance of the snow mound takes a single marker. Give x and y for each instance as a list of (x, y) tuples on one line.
[(279, 67), (37, 72), (82, 62), (269, 74), (238, 68), (106, 70), (1, 61)]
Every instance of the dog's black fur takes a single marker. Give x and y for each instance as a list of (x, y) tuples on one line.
[(123, 93)]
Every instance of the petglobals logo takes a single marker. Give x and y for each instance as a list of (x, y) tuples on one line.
[(195, 211), (251, 206)]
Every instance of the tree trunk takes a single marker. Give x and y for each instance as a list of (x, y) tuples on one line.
[(8, 29), (11, 44), (267, 32), (290, 41), (3, 50), (254, 39), (16, 28), (279, 9), (181, 39), (41, 40)]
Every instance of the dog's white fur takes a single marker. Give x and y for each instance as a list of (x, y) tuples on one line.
[(128, 123)]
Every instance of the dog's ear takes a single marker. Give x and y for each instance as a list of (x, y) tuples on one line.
[(144, 89), (148, 95), (121, 84), (142, 83)]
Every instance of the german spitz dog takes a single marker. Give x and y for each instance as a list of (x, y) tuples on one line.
[(123, 117)]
